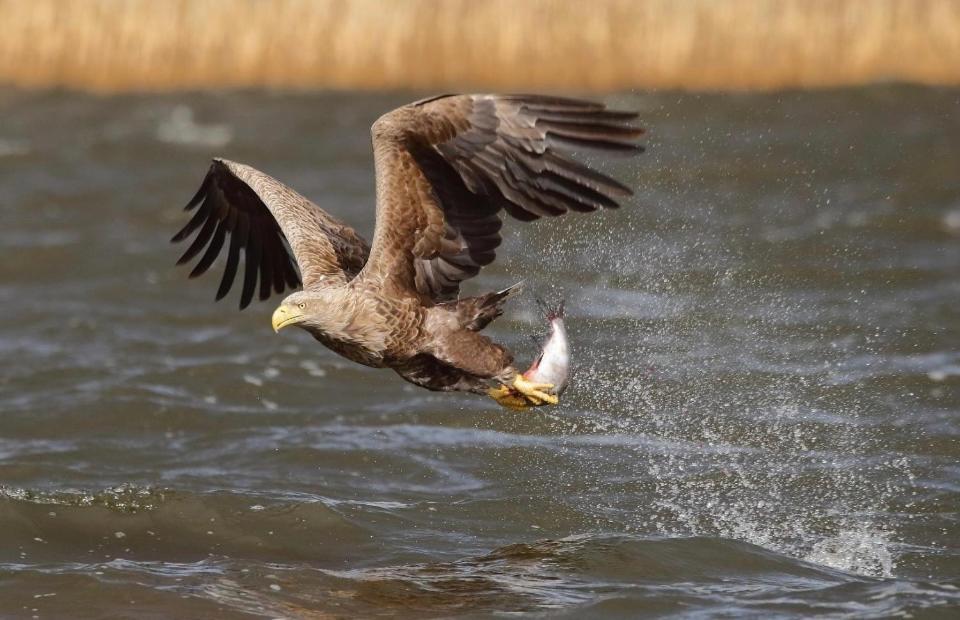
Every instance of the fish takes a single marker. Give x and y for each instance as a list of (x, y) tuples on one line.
[(553, 364)]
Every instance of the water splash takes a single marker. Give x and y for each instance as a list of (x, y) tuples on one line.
[(863, 550), (758, 449)]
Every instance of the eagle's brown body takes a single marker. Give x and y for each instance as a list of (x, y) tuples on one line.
[(445, 169)]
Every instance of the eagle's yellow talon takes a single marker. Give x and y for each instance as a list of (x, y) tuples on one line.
[(535, 391), (546, 399), (506, 397), (523, 394)]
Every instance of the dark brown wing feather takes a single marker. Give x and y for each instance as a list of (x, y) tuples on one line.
[(446, 166), (281, 233)]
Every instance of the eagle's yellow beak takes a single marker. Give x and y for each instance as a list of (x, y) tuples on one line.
[(285, 315)]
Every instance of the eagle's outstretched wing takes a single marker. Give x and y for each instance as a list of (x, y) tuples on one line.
[(446, 166), (279, 231)]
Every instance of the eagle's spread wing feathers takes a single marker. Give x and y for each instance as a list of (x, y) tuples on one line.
[(268, 220), (446, 166)]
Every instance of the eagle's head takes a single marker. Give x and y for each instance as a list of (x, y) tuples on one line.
[(304, 309)]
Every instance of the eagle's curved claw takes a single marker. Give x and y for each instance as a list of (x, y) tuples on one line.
[(535, 391), (523, 394), (506, 397)]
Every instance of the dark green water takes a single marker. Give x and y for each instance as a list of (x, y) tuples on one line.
[(763, 421)]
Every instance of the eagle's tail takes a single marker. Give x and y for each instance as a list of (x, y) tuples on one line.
[(477, 312)]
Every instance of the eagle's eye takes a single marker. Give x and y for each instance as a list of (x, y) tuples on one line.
[(301, 305)]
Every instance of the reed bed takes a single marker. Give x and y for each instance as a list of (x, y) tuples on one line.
[(123, 45)]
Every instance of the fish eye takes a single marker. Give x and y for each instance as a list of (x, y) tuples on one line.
[(301, 305)]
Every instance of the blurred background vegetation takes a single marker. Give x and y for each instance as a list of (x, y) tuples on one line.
[(600, 45)]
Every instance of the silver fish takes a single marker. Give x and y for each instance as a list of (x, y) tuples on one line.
[(553, 363)]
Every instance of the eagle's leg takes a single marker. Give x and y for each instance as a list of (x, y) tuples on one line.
[(477, 355)]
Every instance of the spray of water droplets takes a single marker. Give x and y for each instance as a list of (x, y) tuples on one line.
[(730, 427)]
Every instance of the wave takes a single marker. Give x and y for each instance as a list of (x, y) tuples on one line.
[(577, 576)]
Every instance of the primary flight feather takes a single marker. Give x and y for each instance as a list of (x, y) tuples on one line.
[(445, 169)]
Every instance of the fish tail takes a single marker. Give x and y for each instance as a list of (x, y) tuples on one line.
[(551, 313)]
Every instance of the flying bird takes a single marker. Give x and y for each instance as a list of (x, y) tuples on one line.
[(446, 167)]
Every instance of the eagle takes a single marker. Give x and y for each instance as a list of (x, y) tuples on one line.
[(446, 167)]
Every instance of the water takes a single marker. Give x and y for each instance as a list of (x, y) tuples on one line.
[(763, 419)]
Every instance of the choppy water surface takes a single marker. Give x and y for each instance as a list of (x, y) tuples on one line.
[(764, 418)]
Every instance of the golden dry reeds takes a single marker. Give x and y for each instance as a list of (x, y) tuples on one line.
[(112, 45)]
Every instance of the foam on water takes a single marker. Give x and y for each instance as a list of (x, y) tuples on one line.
[(179, 127), (128, 498), (12, 148), (865, 551)]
